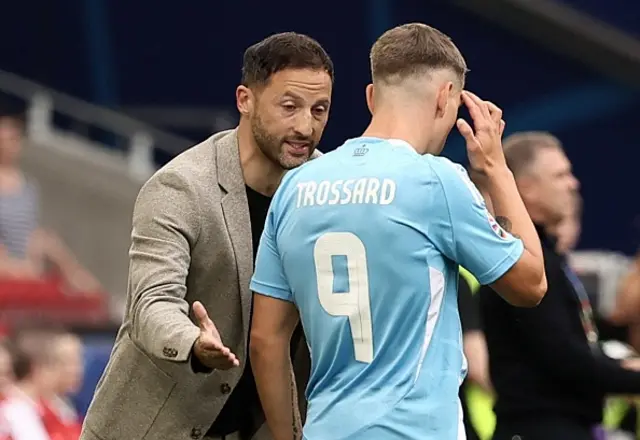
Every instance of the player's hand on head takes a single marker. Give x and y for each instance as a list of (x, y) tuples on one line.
[(484, 140), (209, 349)]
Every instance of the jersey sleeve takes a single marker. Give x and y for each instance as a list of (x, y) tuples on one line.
[(268, 277), (462, 227)]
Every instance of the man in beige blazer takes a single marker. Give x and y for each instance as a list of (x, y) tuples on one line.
[(179, 367)]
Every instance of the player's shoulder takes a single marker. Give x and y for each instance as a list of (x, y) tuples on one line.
[(449, 174), (443, 167)]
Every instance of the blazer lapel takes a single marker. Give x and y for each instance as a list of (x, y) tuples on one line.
[(235, 208)]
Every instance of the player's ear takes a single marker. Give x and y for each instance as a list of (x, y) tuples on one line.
[(442, 98), (245, 100), (369, 96)]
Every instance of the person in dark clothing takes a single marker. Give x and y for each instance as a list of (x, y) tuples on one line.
[(548, 372)]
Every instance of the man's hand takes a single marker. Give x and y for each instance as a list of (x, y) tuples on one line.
[(631, 364), (208, 347), (484, 141)]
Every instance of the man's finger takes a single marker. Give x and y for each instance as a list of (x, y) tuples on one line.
[(482, 105), (211, 344), (503, 124), (466, 131), (474, 110), (204, 322), (495, 112), (221, 356)]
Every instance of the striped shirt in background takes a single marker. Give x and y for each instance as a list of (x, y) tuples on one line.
[(18, 219)]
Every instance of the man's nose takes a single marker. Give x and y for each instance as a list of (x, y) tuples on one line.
[(304, 124), (575, 183)]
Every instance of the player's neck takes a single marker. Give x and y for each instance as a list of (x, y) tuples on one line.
[(260, 173), (405, 126)]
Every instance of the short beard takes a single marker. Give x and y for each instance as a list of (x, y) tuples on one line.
[(272, 146)]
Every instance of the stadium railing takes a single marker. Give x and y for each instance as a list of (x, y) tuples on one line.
[(135, 140)]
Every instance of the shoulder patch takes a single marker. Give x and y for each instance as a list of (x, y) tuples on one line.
[(495, 227)]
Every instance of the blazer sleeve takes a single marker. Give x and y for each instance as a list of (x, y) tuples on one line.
[(166, 225)]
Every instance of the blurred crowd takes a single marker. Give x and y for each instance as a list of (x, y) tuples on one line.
[(28, 251), (40, 367)]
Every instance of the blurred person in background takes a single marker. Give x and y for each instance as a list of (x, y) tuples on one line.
[(6, 369), (60, 418), (567, 230), (548, 371), (26, 249), (477, 383), (179, 368), (36, 373), (627, 305)]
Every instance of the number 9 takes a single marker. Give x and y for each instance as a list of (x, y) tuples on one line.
[(353, 304)]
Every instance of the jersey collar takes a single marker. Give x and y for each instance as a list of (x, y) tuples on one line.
[(396, 143)]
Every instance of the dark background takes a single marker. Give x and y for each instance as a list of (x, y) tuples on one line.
[(121, 53)]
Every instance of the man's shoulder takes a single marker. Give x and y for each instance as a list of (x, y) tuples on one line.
[(199, 160)]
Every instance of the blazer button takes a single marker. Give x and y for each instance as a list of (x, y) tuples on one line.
[(196, 433), (225, 388)]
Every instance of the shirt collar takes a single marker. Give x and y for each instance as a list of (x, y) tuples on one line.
[(396, 143)]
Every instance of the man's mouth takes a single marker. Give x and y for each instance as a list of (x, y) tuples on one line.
[(298, 148)]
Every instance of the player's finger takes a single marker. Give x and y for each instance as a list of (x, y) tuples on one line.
[(482, 105), (204, 322), (474, 110), (503, 124), (495, 112), (466, 131)]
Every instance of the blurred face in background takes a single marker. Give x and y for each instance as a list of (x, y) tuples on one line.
[(567, 231), (10, 140), (70, 363), (549, 186), (6, 369), (288, 114), (36, 365)]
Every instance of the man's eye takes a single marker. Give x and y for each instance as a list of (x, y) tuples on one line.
[(289, 107)]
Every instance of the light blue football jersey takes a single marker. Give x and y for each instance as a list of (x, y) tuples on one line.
[(366, 241)]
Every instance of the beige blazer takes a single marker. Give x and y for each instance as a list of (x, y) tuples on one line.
[(191, 240)]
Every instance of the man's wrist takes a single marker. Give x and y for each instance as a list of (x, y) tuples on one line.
[(498, 176), (196, 365)]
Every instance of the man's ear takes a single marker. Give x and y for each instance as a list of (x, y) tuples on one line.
[(442, 98), (526, 187), (245, 100), (369, 91)]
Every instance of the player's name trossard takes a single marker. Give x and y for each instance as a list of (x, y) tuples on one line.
[(366, 190)]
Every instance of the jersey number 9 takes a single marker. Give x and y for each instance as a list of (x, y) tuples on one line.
[(354, 303)]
